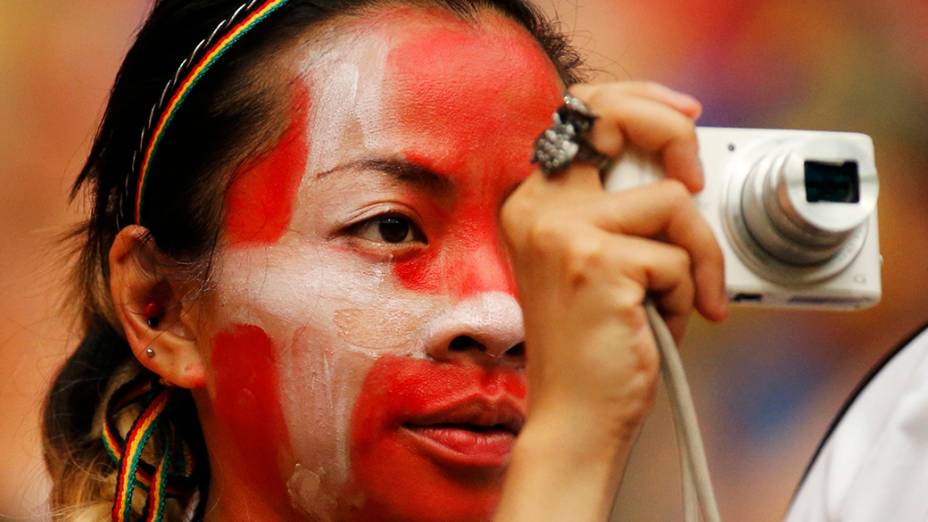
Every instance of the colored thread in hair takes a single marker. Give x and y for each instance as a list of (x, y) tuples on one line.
[(136, 440), (154, 507), (181, 480), (190, 80)]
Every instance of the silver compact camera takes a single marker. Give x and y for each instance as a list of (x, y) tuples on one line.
[(793, 211)]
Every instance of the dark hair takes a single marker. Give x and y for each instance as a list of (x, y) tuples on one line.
[(226, 118)]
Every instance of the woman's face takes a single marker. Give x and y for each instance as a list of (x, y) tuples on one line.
[(364, 336)]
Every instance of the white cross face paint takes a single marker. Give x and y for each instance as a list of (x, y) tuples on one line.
[(312, 302), (362, 321), (339, 323)]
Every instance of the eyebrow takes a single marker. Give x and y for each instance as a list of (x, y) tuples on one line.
[(400, 170)]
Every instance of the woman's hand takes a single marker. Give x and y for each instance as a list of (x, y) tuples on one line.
[(584, 261)]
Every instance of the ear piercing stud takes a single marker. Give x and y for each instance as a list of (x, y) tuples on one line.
[(152, 314)]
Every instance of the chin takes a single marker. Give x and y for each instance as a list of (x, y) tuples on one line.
[(427, 495)]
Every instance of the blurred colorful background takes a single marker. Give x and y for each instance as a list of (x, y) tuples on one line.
[(767, 383)]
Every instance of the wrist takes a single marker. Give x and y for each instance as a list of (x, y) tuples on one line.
[(559, 472), (588, 428), (573, 440)]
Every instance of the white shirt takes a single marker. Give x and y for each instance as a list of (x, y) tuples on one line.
[(874, 466)]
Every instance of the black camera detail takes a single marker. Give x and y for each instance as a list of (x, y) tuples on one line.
[(832, 182)]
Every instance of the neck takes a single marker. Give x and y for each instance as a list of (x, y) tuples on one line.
[(246, 482), (234, 499)]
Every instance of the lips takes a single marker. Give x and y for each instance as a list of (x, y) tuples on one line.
[(475, 431), (430, 440), (449, 425)]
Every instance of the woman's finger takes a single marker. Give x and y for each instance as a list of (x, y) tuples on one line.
[(663, 269), (682, 102), (651, 125), (666, 210)]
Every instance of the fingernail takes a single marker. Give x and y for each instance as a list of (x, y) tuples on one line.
[(685, 101), (698, 111), (682, 96), (724, 301), (686, 97), (698, 171)]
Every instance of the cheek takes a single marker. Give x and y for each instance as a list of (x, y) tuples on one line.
[(320, 381), (247, 407), (259, 202), (378, 329), (283, 392), (464, 259)]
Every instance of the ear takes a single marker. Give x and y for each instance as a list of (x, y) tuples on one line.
[(160, 326)]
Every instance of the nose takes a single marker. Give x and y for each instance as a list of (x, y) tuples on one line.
[(485, 269), (486, 328)]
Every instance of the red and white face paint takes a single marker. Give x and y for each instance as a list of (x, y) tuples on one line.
[(364, 309)]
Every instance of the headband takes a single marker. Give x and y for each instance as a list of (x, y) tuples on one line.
[(191, 70)]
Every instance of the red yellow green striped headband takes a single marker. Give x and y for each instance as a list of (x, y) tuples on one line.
[(204, 55)]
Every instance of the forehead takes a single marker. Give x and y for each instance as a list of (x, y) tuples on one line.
[(429, 80), (475, 75)]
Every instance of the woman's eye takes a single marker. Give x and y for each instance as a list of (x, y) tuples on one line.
[(393, 229)]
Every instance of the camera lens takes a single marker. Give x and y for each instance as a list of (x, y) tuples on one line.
[(804, 199), (837, 183)]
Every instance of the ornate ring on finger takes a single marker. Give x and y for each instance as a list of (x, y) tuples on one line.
[(564, 143)]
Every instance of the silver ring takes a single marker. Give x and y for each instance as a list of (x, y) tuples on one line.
[(560, 145)]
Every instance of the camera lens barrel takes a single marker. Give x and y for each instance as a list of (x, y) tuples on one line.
[(798, 205), (804, 199)]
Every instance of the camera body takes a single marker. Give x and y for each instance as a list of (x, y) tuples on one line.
[(794, 213)]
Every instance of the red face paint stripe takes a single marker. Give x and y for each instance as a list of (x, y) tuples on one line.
[(247, 409), (259, 203), (470, 100)]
